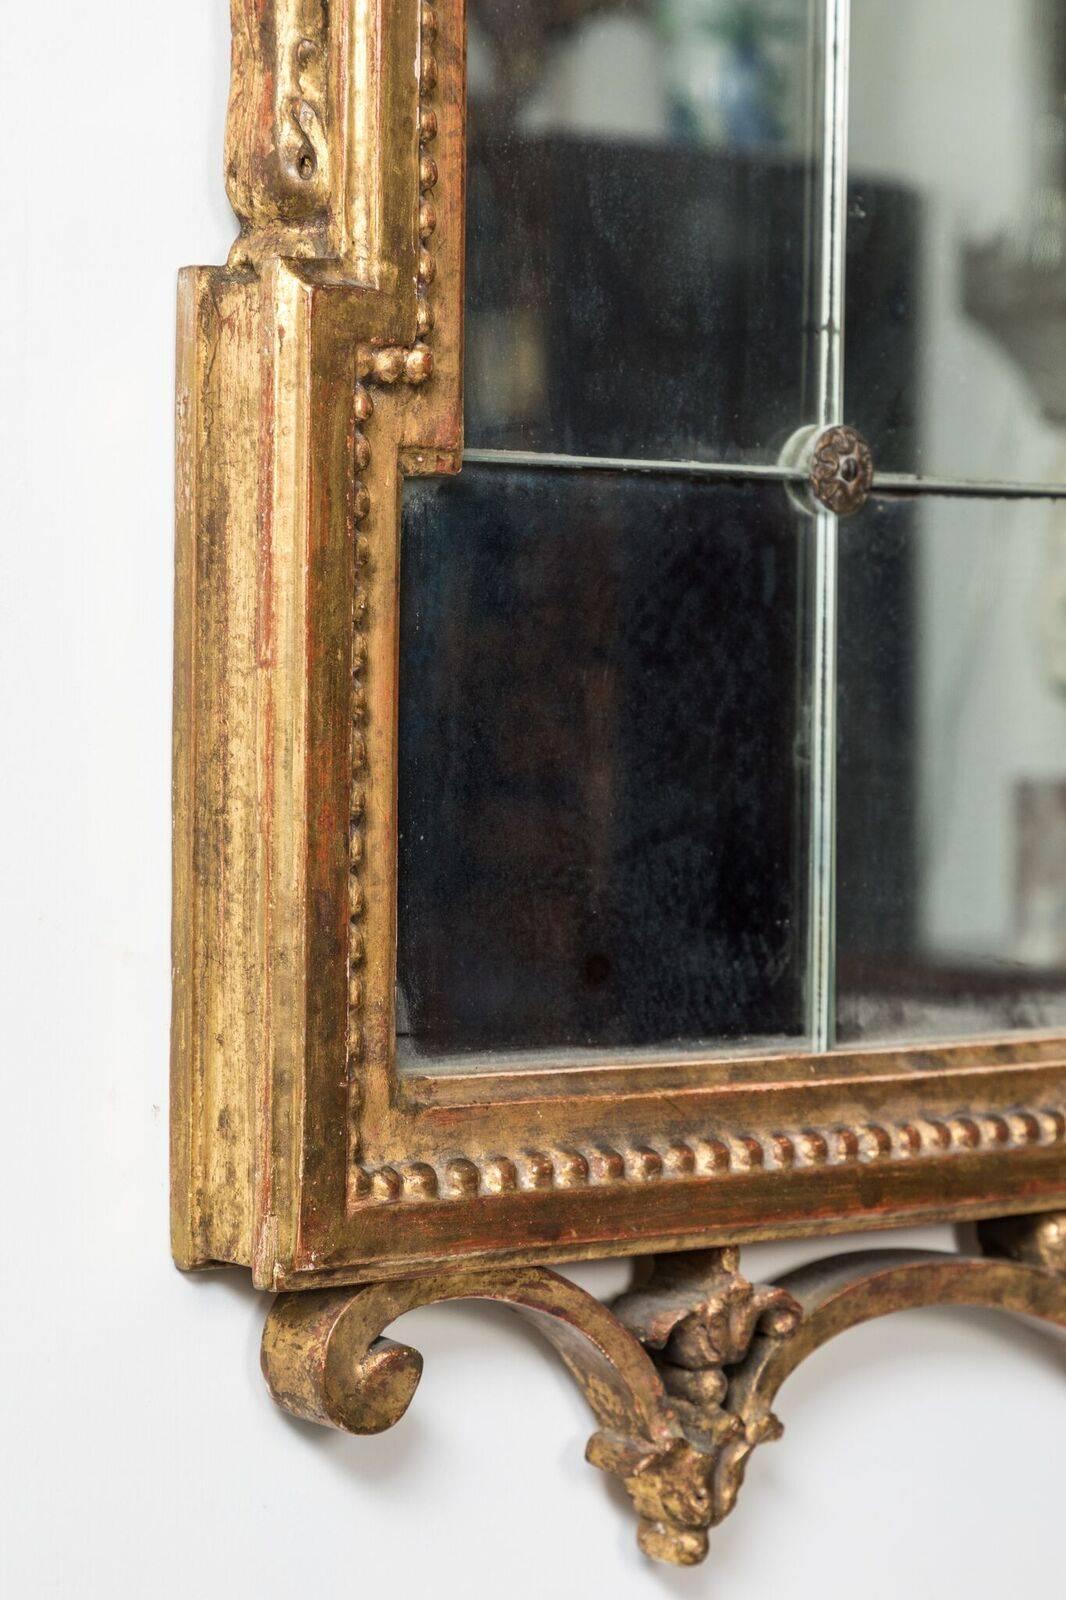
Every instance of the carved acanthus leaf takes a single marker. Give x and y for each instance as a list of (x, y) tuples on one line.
[(697, 1316)]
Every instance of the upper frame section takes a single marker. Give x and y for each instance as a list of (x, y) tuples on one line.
[(317, 368), (323, 108), (342, 116)]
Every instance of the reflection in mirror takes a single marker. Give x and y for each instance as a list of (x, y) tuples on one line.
[(602, 842), (952, 819), (961, 108), (641, 184), (606, 782)]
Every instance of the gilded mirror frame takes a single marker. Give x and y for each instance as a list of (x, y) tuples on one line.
[(315, 371)]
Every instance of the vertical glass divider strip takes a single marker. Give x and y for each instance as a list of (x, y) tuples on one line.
[(833, 220), (821, 941), (821, 988)]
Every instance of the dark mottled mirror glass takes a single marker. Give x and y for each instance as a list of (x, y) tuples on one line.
[(601, 765), (640, 221), (952, 775)]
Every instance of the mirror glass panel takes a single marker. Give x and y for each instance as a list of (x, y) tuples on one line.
[(687, 769), (602, 842), (952, 820), (642, 180)]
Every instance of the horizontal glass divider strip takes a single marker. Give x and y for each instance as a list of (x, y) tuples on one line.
[(704, 469), (909, 485), (888, 484)]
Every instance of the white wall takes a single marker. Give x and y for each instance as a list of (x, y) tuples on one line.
[(139, 1454)]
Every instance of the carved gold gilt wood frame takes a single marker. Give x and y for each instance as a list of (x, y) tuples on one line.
[(315, 370)]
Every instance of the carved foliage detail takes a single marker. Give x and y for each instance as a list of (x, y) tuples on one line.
[(696, 1311), (696, 1315), (672, 1490)]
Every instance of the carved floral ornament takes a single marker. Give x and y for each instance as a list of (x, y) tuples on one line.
[(315, 370), (841, 471), (681, 1373)]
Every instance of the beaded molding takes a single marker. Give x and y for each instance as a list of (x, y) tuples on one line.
[(463, 1177), (388, 365), (358, 511)]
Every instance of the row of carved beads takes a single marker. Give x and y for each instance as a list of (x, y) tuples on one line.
[(359, 454), (389, 364), (384, 365), (464, 1176), (427, 173)]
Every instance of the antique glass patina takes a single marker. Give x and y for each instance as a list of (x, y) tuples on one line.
[(675, 769)]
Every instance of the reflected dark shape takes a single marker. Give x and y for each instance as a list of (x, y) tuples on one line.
[(884, 321), (639, 239), (952, 774), (876, 752), (640, 283), (601, 799), (634, 301), (630, 300)]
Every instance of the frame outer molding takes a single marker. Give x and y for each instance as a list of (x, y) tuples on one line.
[(285, 648)]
